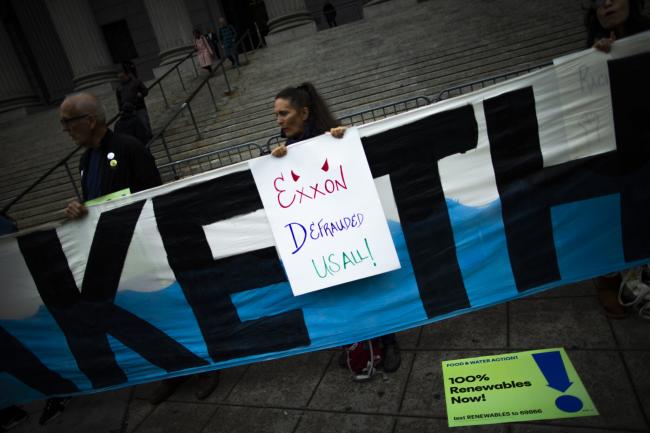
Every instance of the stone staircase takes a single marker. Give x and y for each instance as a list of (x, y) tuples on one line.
[(419, 49)]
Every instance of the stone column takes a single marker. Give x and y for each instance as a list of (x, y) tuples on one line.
[(288, 20), (173, 28), (83, 43), (15, 90)]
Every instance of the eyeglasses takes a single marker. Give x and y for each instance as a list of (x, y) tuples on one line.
[(66, 122)]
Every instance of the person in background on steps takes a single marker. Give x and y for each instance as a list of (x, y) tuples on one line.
[(228, 37), (606, 21), (132, 125), (301, 113), (132, 90), (330, 14), (204, 52)]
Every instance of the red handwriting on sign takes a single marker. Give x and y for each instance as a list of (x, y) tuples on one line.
[(287, 195)]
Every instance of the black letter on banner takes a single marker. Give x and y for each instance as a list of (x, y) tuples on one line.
[(528, 190), (410, 154), (208, 283), (630, 89), (87, 317), (22, 364), (516, 156)]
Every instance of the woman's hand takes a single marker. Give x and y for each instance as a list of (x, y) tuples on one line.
[(279, 151), (338, 131), (605, 44)]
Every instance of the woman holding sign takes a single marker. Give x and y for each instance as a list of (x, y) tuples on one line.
[(608, 20), (301, 114)]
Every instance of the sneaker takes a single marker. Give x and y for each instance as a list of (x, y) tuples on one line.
[(207, 384), (392, 357), (166, 389), (634, 292), (53, 408), (12, 416)]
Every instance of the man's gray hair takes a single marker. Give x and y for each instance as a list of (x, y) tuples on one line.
[(88, 103)]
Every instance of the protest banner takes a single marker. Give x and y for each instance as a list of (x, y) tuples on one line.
[(514, 387), (489, 197), (327, 221)]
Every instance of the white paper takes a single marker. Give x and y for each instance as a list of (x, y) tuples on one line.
[(325, 213)]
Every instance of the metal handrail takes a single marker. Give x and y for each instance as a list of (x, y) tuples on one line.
[(219, 154), (64, 161), (187, 104), (481, 83)]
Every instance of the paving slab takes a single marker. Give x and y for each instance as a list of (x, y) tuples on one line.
[(241, 419), (139, 410), (606, 381), (632, 332), (288, 382), (420, 425), (323, 422), (483, 329), (408, 340), (381, 394), (638, 363), (177, 417), (228, 378), (571, 323), (537, 428), (425, 393), (581, 288), (96, 413)]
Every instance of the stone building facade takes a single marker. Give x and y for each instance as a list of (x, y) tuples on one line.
[(51, 48)]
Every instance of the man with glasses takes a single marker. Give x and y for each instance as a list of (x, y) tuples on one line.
[(111, 162)]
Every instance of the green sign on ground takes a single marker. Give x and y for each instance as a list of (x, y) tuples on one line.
[(524, 386)]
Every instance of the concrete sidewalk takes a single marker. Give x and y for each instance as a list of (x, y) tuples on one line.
[(311, 393)]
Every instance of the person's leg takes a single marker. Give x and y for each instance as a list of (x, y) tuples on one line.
[(207, 384), (607, 287), (53, 408), (166, 389), (392, 356), (143, 115)]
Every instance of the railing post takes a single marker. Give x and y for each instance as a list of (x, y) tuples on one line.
[(196, 72), (74, 184), (223, 69), (164, 142), (250, 41), (245, 52), (212, 96), (163, 94), (180, 78), (196, 127)]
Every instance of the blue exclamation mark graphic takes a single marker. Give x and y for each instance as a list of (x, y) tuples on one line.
[(552, 367)]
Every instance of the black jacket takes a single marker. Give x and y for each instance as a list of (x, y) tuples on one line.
[(130, 124), (128, 92), (134, 168)]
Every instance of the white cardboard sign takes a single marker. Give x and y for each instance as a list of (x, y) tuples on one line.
[(324, 212)]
